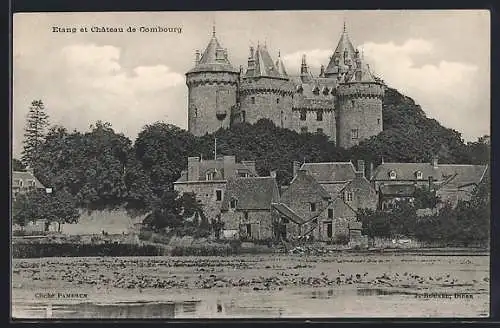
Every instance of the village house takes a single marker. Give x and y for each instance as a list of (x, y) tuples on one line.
[(207, 179), (246, 207), (452, 182), (23, 182)]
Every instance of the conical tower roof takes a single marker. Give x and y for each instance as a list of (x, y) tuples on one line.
[(214, 58), (264, 65), (363, 74), (344, 52), (280, 66)]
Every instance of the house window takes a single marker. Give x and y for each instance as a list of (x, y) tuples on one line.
[(329, 229), (284, 220), (243, 174), (33, 183), (354, 134), (210, 176), (243, 116), (303, 115), (315, 221), (312, 206), (218, 195), (319, 115), (234, 202), (348, 196), (352, 103), (249, 230), (392, 175), (245, 215), (319, 130), (277, 100), (252, 100), (303, 129), (419, 175), (330, 213)]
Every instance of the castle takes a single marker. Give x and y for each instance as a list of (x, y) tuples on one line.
[(344, 102)]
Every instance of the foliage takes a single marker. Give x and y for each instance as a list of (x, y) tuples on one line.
[(37, 205), (341, 239), (37, 121), (425, 198), (17, 165)]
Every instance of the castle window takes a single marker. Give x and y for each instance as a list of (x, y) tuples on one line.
[(20, 182), (243, 116), (245, 214), (252, 100), (330, 213), (352, 103), (277, 100), (303, 115), (303, 129), (312, 206), (392, 175), (419, 175), (195, 112), (234, 202), (325, 91), (319, 115), (218, 195), (319, 130), (378, 121), (354, 134), (249, 230), (316, 90)]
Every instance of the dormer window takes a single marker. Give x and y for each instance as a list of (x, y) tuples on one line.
[(252, 100), (303, 115), (300, 89), (319, 115), (233, 203), (210, 176), (326, 91), (316, 90), (419, 175), (312, 207), (392, 175)]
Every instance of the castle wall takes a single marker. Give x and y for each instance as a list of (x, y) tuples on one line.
[(359, 109), (210, 94), (266, 98), (312, 124)]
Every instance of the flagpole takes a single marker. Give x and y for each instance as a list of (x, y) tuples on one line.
[(215, 150)]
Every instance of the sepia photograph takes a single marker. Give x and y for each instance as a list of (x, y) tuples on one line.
[(250, 164)]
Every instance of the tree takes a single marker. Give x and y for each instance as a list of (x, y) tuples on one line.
[(17, 165), (37, 121), (425, 198), (38, 205)]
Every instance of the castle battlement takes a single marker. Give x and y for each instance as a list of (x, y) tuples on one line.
[(360, 90)]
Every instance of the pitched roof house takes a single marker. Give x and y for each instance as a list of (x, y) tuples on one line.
[(23, 182)]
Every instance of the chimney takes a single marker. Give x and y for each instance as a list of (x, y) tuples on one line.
[(229, 166), (193, 173), (361, 167), (296, 168), (435, 162), (322, 71)]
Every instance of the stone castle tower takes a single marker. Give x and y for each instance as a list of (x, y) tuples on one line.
[(344, 102)]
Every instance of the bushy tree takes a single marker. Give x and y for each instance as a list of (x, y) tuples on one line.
[(58, 207)]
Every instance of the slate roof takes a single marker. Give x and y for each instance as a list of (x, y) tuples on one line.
[(280, 66), (26, 177), (298, 183), (288, 212), (334, 188), (255, 193), (209, 60), (217, 166), (331, 172), (344, 44), (454, 174)]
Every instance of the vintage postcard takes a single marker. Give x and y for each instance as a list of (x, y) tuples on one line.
[(251, 164)]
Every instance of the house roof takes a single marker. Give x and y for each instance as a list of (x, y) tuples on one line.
[(288, 212), (25, 177), (255, 193), (297, 187), (334, 188), (398, 190), (217, 166), (330, 172), (452, 174)]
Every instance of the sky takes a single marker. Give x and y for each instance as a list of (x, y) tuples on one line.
[(441, 59)]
